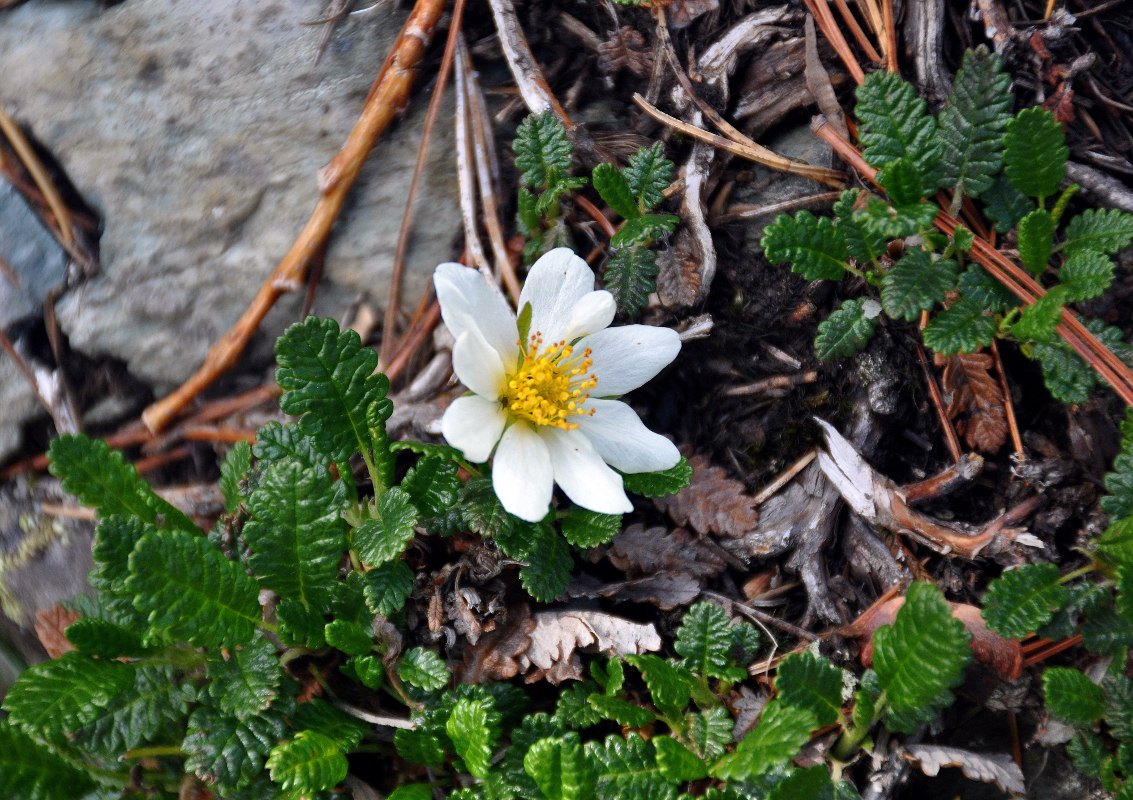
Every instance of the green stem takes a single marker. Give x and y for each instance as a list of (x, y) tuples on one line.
[(155, 752), (1078, 573), (269, 627), (852, 737)]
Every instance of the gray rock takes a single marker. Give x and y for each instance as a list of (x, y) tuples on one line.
[(198, 129)]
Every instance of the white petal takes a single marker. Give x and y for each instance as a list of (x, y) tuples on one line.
[(626, 357), (582, 474), (592, 313), (477, 365), (468, 301), (473, 425), (623, 441), (554, 286), (521, 473)]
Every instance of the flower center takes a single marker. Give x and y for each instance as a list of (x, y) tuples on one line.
[(551, 384)]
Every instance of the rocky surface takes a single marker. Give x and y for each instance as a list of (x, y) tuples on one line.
[(197, 130)]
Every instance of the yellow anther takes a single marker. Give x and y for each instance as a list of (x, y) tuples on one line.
[(550, 384)]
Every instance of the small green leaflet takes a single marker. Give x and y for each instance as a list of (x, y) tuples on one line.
[(811, 682), (585, 528), (351, 638), (387, 586), (780, 735), (222, 749), (614, 189), (631, 275), (705, 640), (973, 121), (670, 686), (561, 768), (629, 769), (1034, 152), (61, 695), (916, 283), (232, 471), (1072, 697), (432, 485), (423, 668), (246, 679), (620, 711), (1036, 235), (309, 763), (28, 770), (961, 328), (473, 733), (847, 330), (648, 174), (1100, 230), (551, 562), (102, 638), (1038, 321), (676, 762), (1085, 275), (1022, 600), (816, 249), (385, 536), (541, 150), (896, 124), (1005, 205), (657, 484)]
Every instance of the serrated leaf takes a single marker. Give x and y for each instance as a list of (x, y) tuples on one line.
[(296, 533), (367, 670), (1085, 275), (1100, 230), (612, 186), (1038, 320), (1034, 152), (658, 484), (561, 768), (631, 275), (419, 746), (812, 783), (541, 149), (573, 709), (1106, 632), (412, 791), (299, 624), (1066, 375), (916, 283), (846, 331), (669, 686), (190, 591), (921, 655), (309, 763), (961, 328), (387, 586), (236, 464), (629, 769), (644, 230), (1089, 753), (244, 680), (896, 221), (865, 245), (707, 733), (61, 695), (1117, 696), (811, 682), (340, 727), (100, 477), (328, 378), (816, 249), (279, 442), (102, 638), (29, 771), (423, 668), (895, 124), (432, 485), (351, 638), (585, 528), (676, 762), (442, 451), (973, 121), (157, 701), (1036, 235), (984, 290), (780, 735), (551, 562), (902, 181), (1022, 600), (648, 174), (705, 640), (229, 752), (1005, 205), (963, 239), (114, 540), (385, 536), (620, 711), (1072, 697), (473, 733)]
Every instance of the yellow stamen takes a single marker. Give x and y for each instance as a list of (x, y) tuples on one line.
[(550, 384)]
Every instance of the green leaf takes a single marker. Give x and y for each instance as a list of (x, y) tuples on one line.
[(807, 681), (973, 121), (1066, 375), (585, 528), (1085, 275), (895, 124), (229, 752), (296, 533), (1116, 543), (984, 290), (387, 586), (896, 221), (902, 181), (670, 686), (614, 190), (1005, 205), (474, 734), (921, 655), (432, 485), (59, 696), (277, 442), (551, 562), (100, 477), (340, 727), (705, 640), (412, 791), (1036, 234), (192, 592), (631, 275), (780, 735), (1022, 600), (658, 484), (156, 704), (309, 763), (424, 669), (1038, 321), (114, 540), (367, 670), (561, 768), (961, 328), (812, 783), (629, 769), (385, 536), (816, 249), (1072, 697), (621, 711), (709, 732), (102, 638), (1117, 694), (1098, 230), (244, 680), (865, 245), (644, 230), (351, 638), (612, 677), (328, 378), (420, 746), (236, 465), (573, 709), (676, 762), (649, 174), (299, 624), (1107, 632), (1089, 754), (31, 772), (847, 330), (541, 149), (1034, 152), (916, 283), (963, 239)]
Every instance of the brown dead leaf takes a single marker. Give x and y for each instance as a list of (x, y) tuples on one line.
[(627, 49), (494, 657), (712, 502), (680, 283), (975, 401), (664, 590), (682, 12), (997, 768), (49, 626), (638, 550)]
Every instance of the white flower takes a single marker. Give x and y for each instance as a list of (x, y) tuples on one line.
[(545, 405)]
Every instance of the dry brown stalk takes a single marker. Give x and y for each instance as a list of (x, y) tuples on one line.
[(856, 29), (1009, 407), (938, 404), (387, 98), (821, 12)]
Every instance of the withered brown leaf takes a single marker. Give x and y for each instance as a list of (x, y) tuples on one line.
[(638, 550), (974, 400), (712, 502), (49, 626), (997, 768), (625, 48)]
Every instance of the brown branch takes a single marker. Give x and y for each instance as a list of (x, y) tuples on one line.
[(387, 98)]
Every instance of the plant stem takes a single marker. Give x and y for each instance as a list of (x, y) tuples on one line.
[(154, 752)]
